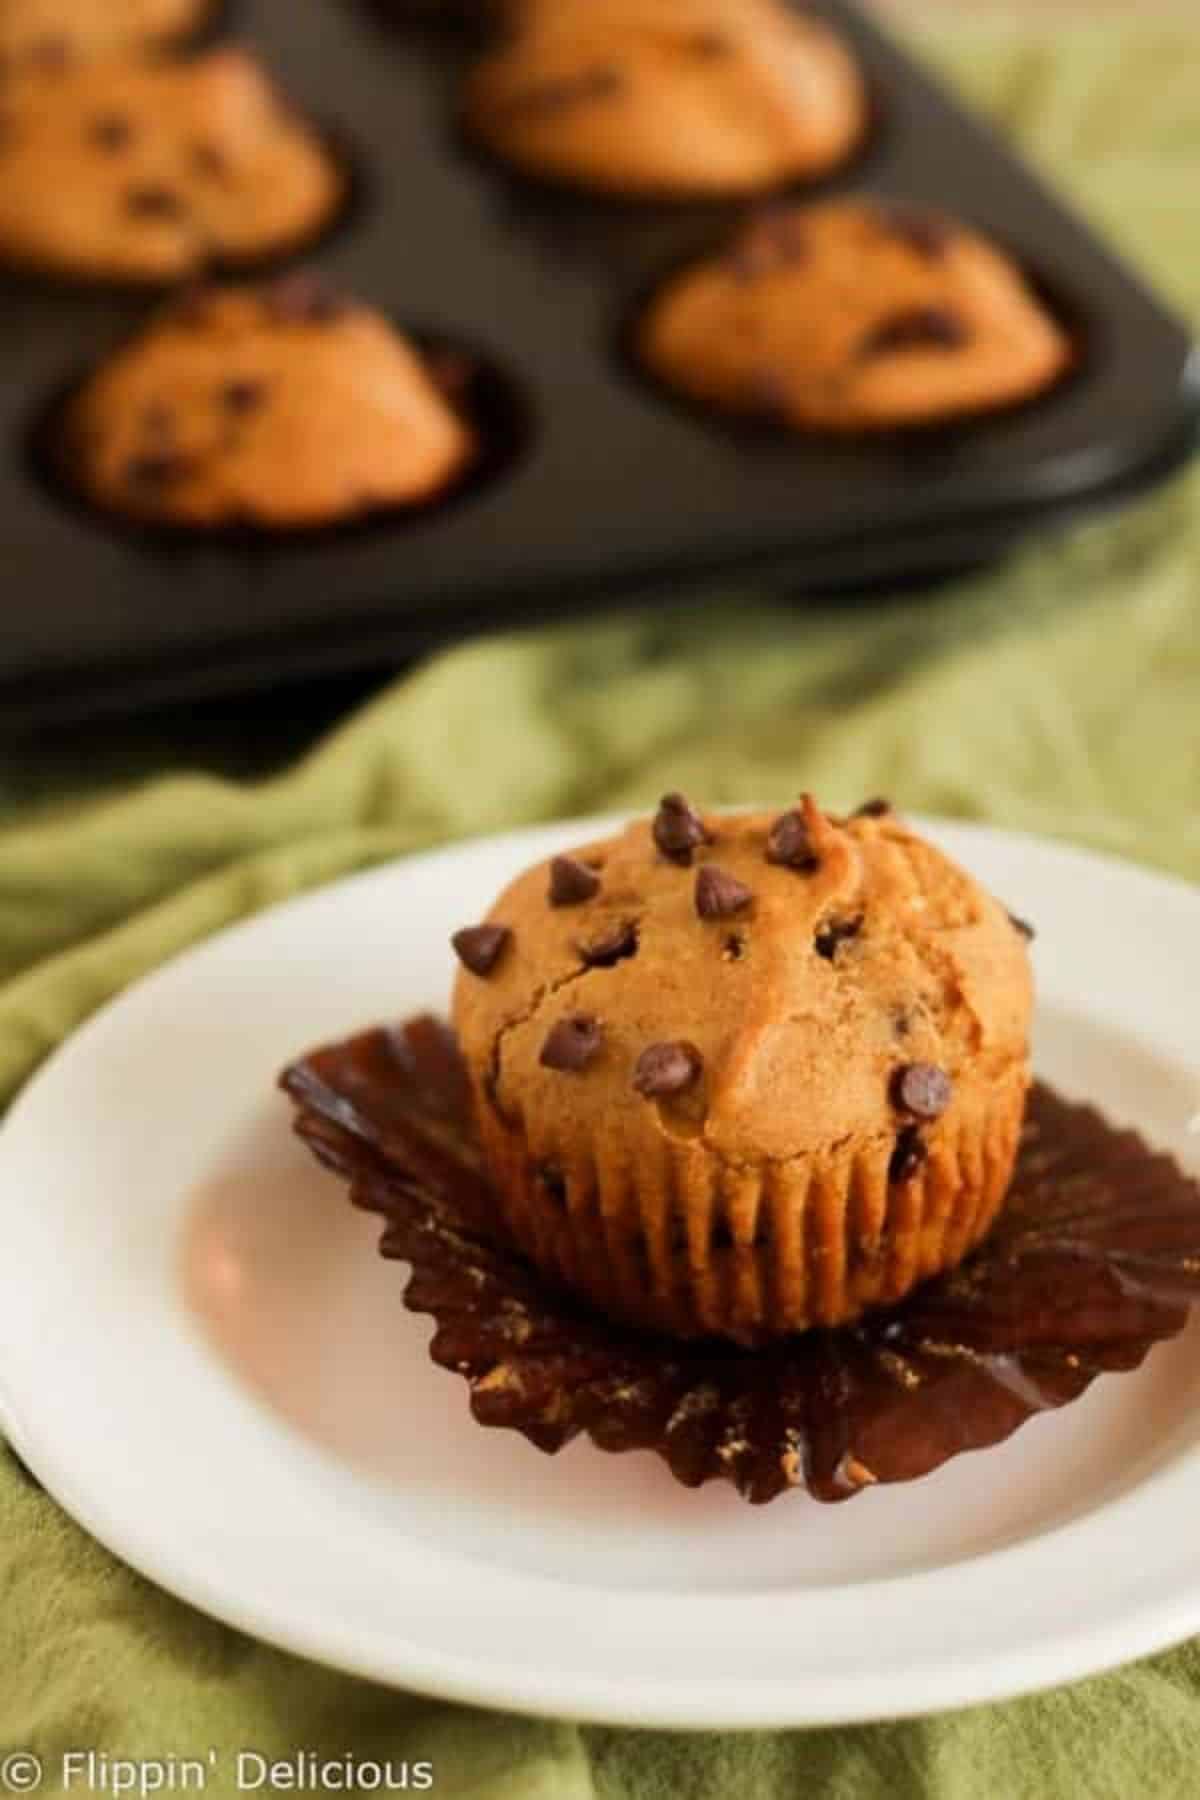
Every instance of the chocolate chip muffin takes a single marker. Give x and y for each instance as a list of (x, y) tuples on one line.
[(746, 1075), (276, 407), (52, 33), (668, 97), (144, 170), (853, 316)]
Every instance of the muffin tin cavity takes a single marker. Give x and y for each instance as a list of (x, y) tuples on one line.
[(491, 402)]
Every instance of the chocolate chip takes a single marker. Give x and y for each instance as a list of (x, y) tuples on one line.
[(571, 882), (720, 895), (664, 1069), (302, 299), (776, 240), (50, 53), (917, 328), (480, 947), (210, 159), (155, 469), (678, 829), (873, 809), (553, 1181), (158, 421), (244, 394), (789, 844), (547, 99), (922, 1090), (734, 946), (1023, 926), (155, 203), (709, 44), (924, 232), (908, 1155), (835, 933), (110, 132), (573, 1043), (611, 947)]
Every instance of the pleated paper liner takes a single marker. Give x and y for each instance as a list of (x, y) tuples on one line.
[(1095, 1258)]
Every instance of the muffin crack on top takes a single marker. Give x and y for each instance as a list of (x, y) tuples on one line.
[(754, 1143)]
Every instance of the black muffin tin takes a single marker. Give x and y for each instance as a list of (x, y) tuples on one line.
[(604, 491)]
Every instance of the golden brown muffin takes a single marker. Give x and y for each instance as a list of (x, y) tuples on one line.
[(745, 1075), (51, 33), (853, 316), (276, 407), (650, 97), (146, 170)]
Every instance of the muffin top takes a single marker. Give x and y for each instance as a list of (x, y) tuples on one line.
[(767, 986), (282, 405), (138, 169), (50, 33), (853, 315), (654, 97)]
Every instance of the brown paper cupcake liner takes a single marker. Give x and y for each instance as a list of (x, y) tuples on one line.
[(691, 1248), (1094, 1258)]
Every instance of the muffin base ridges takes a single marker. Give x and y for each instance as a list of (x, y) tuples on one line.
[(1094, 1258)]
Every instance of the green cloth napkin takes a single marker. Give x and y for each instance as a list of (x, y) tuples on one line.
[(1059, 694)]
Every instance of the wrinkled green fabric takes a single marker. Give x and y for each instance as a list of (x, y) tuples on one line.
[(1059, 694)]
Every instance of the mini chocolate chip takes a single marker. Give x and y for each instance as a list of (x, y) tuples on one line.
[(480, 947), (553, 1181), (837, 932), (50, 53), (678, 829), (572, 1044), (610, 947), (924, 232), (873, 809), (244, 394), (210, 159), (155, 469), (571, 882), (110, 132), (720, 895), (158, 420), (664, 1069), (709, 43), (154, 203), (733, 947), (917, 328), (922, 1090), (910, 1152), (302, 299), (1023, 926), (776, 240), (547, 99), (789, 844)]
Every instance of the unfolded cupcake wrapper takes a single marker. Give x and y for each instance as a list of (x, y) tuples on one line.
[(687, 1246), (1094, 1258)]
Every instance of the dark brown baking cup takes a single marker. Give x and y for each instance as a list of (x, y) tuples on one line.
[(1094, 1259)]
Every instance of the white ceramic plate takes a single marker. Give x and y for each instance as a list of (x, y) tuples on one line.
[(204, 1360)]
